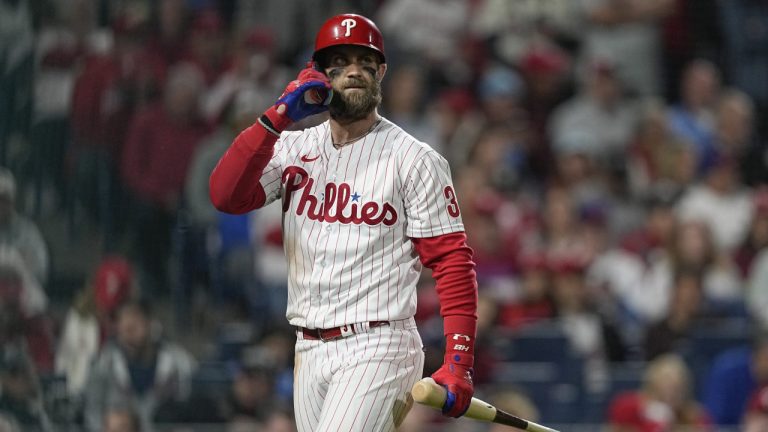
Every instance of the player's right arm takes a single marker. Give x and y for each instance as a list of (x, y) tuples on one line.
[(235, 185)]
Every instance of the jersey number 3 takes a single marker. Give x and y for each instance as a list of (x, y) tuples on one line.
[(453, 205)]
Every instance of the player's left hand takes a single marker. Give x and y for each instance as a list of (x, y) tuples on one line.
[(456, 374), (457, 380)]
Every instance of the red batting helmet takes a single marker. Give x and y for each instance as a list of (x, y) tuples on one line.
[(349, 29)]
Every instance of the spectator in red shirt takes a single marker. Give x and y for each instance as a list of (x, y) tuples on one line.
[(534, 302), (662, 404), (208, 48), (168, 39), (107, 92), (160, 144), (24, 324)]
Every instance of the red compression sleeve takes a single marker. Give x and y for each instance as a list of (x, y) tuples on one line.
[(234, 184), (450, 259)]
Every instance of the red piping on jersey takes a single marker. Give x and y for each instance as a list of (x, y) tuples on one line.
[(234, 185), (450, 259)]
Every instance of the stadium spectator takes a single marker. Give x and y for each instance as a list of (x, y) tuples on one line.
[(627, 33), (21, 398), (167, 43), (600, 117), (745, 48), (757, 235), (208, 48), (511, 28), (546, 71), (735, 136), (23, 306), (251, 79), (692, 119), (693, 247), (721, 203), (16, 80), (64, 42), (20, 232), (403, 21), (119, 419), (532, 301), (663, 403), (90, 322), (156, 157), (107, 91), (138, 368), (592, 335), (657, 159), (404, 103), (685, 308)]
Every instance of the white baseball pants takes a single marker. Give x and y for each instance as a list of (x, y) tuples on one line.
[(358, 383)]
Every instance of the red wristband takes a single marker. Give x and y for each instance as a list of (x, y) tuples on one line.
[(277, 122), (460, 349)]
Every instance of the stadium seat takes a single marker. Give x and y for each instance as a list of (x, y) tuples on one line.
[(557, 399)]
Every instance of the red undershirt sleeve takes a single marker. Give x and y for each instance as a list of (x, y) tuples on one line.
[(453, 269), (234, 185)]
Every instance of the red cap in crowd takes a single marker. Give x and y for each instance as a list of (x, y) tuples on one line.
[(543, 60), (112, 283)]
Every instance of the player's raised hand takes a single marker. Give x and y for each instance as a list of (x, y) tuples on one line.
[(456, 374), (310, 93)]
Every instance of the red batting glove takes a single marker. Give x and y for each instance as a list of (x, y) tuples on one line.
[(456, 374)]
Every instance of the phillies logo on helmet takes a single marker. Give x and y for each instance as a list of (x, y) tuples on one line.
[(349, 24), (338, 31)]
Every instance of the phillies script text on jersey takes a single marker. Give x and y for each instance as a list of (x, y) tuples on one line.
[(335, 206)]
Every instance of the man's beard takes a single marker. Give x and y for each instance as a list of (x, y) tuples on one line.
[(351, 106)]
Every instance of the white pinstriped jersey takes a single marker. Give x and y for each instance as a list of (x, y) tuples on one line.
[(348, 216)]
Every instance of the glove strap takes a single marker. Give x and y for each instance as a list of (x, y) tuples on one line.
[(274, 122), (265, 122)]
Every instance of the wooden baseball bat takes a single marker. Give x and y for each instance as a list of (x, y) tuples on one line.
[(428, 392)]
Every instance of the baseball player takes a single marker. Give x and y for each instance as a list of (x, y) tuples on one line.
[(365, 206)]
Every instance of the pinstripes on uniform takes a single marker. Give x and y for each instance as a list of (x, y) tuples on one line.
[(342, 273)]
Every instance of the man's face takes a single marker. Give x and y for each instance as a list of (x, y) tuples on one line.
[(132, 330), (355, 74), (119, 421)]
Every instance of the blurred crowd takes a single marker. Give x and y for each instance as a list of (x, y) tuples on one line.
[(611, 159)]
